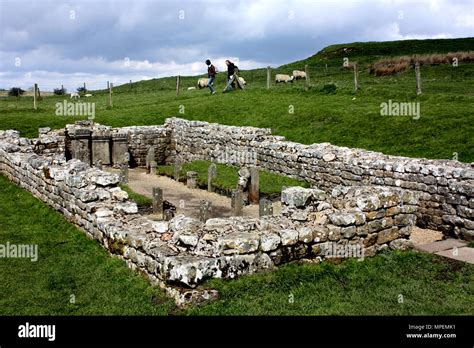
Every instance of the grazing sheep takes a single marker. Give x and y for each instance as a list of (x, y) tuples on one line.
[(298, 74), (75, 95), (202, 83), (242, 81), (191, 88), (88, 95), (284, 78)]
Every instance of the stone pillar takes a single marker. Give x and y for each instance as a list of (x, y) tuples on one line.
[(150, 156), (157, 200), (119, 148), (265, 207), (101, 149), (153, 167), (211, 175), (191, 179), (80, 143), (204, 210), (254, 191), (98, 164), (237, 202), (124, 173), (177, 166)]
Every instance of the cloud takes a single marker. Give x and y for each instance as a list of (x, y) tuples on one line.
[(63, 42)]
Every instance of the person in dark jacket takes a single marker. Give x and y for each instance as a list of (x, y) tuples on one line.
[(211, 74), (231, 70)]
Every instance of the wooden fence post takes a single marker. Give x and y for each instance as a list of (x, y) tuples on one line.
[(62, 89), (110, 94), (418, 78), (177, 85), (108, 86), (306, 71), (35, 87), (85, 90), (356, 72), (130, 85), (269, 77)]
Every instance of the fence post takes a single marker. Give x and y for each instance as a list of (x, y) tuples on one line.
[(110, 94), (130, 85), (356, 82), (306, 71), (269, 77), (418, 78), (85, 90), (108, 86), (177, 85), (34, 96), (62, 89), (35, 87)]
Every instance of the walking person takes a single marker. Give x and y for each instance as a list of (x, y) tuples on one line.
[(231, 71), (211, 74)]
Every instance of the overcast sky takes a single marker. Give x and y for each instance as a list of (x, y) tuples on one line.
[(71, 42)]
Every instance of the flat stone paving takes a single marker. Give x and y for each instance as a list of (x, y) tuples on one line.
[(451, 248)]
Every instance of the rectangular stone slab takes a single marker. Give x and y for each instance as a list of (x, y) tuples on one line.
[(440, 245)]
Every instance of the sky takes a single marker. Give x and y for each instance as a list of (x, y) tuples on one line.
[(56, 43)]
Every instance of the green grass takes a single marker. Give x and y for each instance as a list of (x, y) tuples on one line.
[(367, 52), (344, 118), (68, 264), (227, 176), (141, 200), (71, 264)]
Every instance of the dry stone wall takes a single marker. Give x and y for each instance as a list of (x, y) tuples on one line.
[(446, 187)]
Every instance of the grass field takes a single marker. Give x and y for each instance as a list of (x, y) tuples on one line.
[(70, 264)]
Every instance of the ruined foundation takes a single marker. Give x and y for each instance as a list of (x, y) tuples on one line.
[(360, 200)]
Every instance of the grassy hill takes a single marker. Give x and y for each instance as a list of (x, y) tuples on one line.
[(341, 116), (368, 52)]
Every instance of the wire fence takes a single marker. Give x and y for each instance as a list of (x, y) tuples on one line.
[(348, 76)]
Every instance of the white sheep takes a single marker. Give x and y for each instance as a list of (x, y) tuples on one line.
[(88, 95), (242, 81), (298, 74), (202, 83), (75, 95), (284, 78)]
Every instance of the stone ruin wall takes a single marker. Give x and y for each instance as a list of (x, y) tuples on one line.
[(91, 142), (446, 187), (181, 253)]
